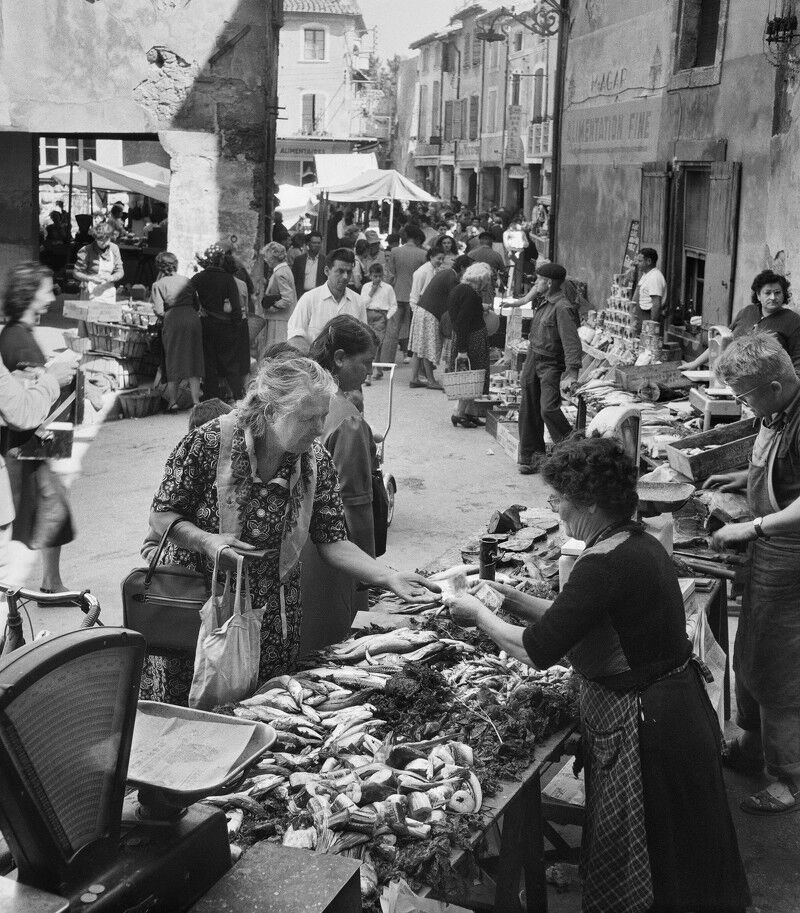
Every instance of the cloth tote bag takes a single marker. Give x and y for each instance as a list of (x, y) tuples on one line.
[(228, 645)]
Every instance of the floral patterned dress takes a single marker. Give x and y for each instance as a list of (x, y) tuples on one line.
[(189, 487)]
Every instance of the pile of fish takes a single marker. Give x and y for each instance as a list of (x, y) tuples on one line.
[(502, 677), (337, 780)]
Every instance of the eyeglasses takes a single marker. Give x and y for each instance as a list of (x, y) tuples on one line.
[(554, 501), (741, 398)]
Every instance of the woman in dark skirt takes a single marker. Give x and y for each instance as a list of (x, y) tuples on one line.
[(175, 300), (43, 520), (658, 836), (470, 343)]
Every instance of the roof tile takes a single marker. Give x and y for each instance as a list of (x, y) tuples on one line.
[(333, 7)]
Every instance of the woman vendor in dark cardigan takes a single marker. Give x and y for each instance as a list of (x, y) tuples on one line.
[(658, 835)]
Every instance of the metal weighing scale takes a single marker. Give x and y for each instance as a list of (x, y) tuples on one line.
[(68, 705)]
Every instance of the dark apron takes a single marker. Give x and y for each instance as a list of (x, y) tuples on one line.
[(767, 650)]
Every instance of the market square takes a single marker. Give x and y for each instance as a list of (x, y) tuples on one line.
[(399, 429)]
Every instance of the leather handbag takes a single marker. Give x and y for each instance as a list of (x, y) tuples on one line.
[(163, 603), (380, 512)]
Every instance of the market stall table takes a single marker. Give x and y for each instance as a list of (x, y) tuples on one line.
[(519, 803)]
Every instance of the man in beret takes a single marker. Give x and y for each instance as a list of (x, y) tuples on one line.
[(551, 366)]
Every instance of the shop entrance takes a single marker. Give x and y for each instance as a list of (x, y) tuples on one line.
[(515, 195), (689, 215)]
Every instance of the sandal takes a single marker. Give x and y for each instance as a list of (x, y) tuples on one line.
[(738, 761), (765, 804)]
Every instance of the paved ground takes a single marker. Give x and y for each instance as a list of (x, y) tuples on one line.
[(449, 482)]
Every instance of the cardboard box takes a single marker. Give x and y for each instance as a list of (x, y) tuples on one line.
[(104, 311), (76, 310), (731, 447), (667, 374), (507, 438)]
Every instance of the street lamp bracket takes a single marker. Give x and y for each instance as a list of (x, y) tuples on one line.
[(543, 19)]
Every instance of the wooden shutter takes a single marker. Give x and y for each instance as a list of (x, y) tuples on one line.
[(654, 206), (723, 218), (474, 107), (308, 114), (448, 121), (457, 128)]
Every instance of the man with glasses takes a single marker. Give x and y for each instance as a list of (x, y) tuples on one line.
[(767, 649)]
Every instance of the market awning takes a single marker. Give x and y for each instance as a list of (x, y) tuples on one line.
[(379, 184), (143, 177), (295, 202), (334, 169), (80, 179)]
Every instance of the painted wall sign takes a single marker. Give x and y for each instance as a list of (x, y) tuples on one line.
[(515, 148), (287, 148), (623, 133)]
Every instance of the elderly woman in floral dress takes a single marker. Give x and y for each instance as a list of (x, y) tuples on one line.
[(257, 478)]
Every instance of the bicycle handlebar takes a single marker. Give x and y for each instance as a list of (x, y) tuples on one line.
[(87, 603)]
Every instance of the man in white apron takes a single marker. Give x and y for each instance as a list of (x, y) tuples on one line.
[(767, 649), (98, 266)]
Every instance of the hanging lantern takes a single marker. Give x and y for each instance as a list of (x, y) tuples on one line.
[(781, 35)]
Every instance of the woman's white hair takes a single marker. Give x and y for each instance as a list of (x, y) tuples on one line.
[(756, 357), (478, 276), (274, 249), (280, 386)]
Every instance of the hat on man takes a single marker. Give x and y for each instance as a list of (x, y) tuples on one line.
[(372, 236), (552, 271)]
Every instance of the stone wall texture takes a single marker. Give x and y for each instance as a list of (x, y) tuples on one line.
[(198, 74)]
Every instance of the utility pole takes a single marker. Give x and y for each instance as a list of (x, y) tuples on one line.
[(558, 114)]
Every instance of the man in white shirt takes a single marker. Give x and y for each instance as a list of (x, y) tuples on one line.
[(380, 301), (651, 289), (322, 304)]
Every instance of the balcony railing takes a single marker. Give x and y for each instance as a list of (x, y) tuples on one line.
[(540, 139)]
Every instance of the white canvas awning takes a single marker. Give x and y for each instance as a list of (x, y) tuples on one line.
[(379, 184), (338, 168), (143, 177), (295, 202)]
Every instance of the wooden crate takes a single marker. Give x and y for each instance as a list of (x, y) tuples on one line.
[(667, 374), (733, 444)]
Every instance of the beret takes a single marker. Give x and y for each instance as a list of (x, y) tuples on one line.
[(552, 271)]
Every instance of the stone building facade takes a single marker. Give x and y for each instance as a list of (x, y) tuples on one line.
[(674, 117), (485, 111), (324, 87), (199, 76)]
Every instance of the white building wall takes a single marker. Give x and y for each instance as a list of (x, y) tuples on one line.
[(328, 78)]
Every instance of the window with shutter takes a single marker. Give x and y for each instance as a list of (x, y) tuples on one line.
[(464, 117), (516, 87), (654, 205), (538, 97), (477, 52), (313, 44), (467, 60), (457, 119), (474, 111), (723, 222), (491, 112), (699, 33), (435, 103), (422, 126), (312, 113), (448, 121)]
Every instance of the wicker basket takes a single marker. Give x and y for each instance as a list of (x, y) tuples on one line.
[(463, 384), (120, 341), (139, 403)]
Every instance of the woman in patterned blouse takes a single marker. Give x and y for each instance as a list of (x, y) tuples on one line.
[(257, 478)]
